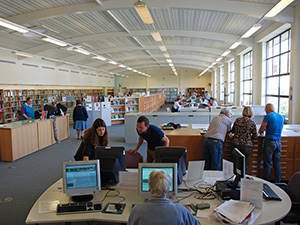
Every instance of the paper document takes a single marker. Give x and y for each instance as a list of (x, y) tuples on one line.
[(204, 213), (251, 191), (199, 126), (227, 169), (128, 179), (184, 125), (233, 211), (48, 206)]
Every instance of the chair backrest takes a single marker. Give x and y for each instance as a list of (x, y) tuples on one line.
[(293, 187), (133, 160)]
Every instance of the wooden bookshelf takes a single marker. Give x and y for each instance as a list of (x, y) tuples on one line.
[(151, 103), (11, 100)]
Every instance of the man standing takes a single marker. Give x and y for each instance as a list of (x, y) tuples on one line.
[(272, 124), (152, 134), (214, 139)]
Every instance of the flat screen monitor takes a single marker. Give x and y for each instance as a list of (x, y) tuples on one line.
[(144, 172), (173, 155), (239, 166), (112, 160), (81, 179)]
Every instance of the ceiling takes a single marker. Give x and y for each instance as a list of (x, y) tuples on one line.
[(195, 32)]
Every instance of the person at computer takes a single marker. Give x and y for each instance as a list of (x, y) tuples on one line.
[(27, 111), (159, 210), (243, 133), (95, 136), (273, 125), (176, 106), (154, 136), (213, 102), (214, 139)]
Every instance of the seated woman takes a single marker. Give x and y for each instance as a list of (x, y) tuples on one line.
[(160, 210), (93, 137)]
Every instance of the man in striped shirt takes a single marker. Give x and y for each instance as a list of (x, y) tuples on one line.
[(214, 139)]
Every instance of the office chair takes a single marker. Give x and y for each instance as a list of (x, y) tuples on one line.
[(133, 160), (292, 189)]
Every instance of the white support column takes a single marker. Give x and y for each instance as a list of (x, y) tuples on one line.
[(237, 79), (257, 74), (294, 113), (226, 78)]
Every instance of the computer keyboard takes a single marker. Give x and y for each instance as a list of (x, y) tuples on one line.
[(269, 194), (78, 207)]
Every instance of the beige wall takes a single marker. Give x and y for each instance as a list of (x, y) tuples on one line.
[(161, 78), (16, 72)]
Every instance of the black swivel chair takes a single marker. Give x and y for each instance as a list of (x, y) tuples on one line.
[(292, 189)]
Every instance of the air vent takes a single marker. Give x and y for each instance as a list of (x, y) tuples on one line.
[(31, 65), (63, 70), (48, 68), (6, 61)]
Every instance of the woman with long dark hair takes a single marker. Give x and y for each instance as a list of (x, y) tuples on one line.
[(93, 137)]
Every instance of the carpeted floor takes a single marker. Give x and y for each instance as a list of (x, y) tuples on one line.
[(23, 181)]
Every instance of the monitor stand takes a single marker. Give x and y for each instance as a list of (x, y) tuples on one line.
[(82, 198)]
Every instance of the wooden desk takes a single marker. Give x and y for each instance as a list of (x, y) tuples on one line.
[(290, 157), (63, 128), (19, 139)]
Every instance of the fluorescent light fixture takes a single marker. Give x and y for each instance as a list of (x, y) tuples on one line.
[(203, 72), (156, 36), (135, 71), (23, 54), (112, 62), (166, 55), (251, 31), (13, 26), (235, 45), (171, 64), (82, 51), (55, 41), (143, 11), (118, 21), (99, 57), (226, 53), (128, 68), (278, 8), (213, 63), (219, 59), (163, 48), (169, 60), (122, 66)]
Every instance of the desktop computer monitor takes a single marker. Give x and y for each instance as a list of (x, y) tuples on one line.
[(144, 172), (239, 166), (81, 179), (112, 160), (173, 155)]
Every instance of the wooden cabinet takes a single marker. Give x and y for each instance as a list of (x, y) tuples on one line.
[(151, 103), (290, 155), (19, 139)]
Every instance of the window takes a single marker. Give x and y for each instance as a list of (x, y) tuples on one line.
[(278, 71), (247, 78), (222, 86), (231, 82)]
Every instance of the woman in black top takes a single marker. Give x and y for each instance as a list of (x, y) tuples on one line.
[(80, 117), (93, 137)]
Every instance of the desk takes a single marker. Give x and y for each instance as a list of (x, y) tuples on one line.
[(19, 139), (272, 210), (290, 157)]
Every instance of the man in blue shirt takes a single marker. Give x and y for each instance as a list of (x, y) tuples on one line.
[(27, 112), (273, 125), (150, 133), (159, 210)]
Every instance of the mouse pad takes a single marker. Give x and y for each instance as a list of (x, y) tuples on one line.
[(114, 208)]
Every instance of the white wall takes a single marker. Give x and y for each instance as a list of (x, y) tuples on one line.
[(34, 71), (164, 78)]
